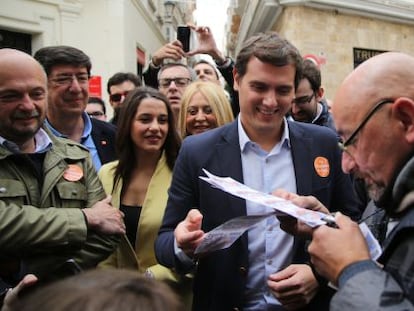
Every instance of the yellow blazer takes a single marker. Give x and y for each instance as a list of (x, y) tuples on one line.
[(142, 257)]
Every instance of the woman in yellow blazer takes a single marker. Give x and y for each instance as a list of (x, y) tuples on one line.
[(147, 144)]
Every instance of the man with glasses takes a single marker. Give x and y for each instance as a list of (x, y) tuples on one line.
[(118, 87), (173, 79), (68, 70), (201, 69), (374, 113), (309, 105), (96, 108)]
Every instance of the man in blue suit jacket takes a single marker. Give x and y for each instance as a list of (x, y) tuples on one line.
[(265, 269)]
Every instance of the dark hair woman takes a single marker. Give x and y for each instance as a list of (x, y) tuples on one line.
[(147, 146)]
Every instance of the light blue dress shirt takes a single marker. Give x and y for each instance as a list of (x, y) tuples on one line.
[(270, 248), (86, 139)]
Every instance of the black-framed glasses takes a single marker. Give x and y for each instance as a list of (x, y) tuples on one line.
[(179, 82), (303, 99), (343, 146), (95, 114)]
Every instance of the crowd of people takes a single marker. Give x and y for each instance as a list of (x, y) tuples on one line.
[(101, 214)]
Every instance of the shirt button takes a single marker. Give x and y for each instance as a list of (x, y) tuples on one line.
[(243, 271), (3, 190)]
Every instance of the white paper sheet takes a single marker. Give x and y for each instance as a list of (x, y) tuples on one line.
[(226, 234)]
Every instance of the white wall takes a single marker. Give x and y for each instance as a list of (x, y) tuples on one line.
[(108, 31)]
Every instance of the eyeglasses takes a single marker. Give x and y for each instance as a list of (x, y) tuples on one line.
[(179, 82), (303, 99), (351, 140), (96, 114), (118, 96), (67, 79)]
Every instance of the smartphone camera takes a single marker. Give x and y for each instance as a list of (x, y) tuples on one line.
[(183, 35)]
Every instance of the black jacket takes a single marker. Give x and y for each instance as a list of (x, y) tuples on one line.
[(103, 135)]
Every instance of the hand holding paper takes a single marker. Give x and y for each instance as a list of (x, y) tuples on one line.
[(229, 185), (291, 224), (188, 232), (225, 235)]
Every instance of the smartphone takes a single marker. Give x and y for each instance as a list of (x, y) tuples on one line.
[(183, 35)]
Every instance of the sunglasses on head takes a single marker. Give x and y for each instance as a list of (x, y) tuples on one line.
[(117, 96)]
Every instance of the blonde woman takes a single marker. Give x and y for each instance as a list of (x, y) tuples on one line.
[(204, 106)]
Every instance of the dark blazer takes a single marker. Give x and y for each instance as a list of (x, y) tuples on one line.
[(221, 276), (103, 135)]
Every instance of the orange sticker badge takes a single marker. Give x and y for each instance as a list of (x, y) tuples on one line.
[(73, 173), (321, 165)]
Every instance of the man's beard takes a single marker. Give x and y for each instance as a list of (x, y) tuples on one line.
[(375, 192), (22, 134)]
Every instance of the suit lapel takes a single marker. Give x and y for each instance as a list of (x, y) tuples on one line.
[(228, 162), (103, 141), (229, 146), (231, 165), (302, 158)]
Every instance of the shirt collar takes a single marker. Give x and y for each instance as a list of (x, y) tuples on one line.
[(319, 111), (43, 143), (86, 130), (244, 140)]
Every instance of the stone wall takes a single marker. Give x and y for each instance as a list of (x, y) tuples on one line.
[(332, 36)]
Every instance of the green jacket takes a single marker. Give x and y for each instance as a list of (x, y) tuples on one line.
[(41, 224)]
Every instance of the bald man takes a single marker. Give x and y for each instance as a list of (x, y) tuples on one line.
[(374, 115), (37, 171)]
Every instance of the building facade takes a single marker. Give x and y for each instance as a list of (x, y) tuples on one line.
[(118, 35), (337, 34)]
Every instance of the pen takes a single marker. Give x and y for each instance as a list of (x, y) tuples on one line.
[(330, 220)]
